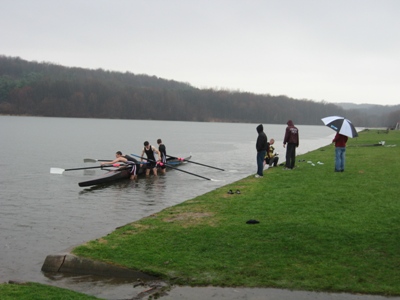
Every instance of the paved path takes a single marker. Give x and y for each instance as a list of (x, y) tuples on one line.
[(217, 293), (65, 262), (124, 292)]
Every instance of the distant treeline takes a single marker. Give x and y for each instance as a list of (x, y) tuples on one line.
[(45, 89)]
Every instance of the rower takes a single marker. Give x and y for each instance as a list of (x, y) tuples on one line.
[(151, 160), (130, 161), (163, 153)]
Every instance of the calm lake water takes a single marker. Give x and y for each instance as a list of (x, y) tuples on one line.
[(43, 213)]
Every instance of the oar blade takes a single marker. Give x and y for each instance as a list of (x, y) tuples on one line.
[(197, 163), (89, 160), (93, 160), (56, 170)]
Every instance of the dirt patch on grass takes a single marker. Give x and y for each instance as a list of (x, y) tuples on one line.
[(187, 219), (137, 228)]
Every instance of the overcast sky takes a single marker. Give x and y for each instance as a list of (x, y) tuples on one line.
[(331, 50)]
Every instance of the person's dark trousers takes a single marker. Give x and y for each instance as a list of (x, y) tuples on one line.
[(260, 162), (274, 161), (290, 155)]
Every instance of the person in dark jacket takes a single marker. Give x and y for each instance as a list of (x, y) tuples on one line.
[(261, 146), (340, 141), (292, 140)]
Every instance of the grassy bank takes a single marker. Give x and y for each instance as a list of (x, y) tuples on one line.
[(319, 230), (33, 291)]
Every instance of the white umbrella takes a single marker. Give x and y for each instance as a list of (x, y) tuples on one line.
[(341, 125)]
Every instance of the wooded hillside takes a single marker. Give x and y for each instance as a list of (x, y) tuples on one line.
[(45, 89)]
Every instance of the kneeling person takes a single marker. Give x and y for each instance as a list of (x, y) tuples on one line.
[(271, 158)]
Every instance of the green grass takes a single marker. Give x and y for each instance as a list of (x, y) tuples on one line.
[(319, 230), (35, 291)]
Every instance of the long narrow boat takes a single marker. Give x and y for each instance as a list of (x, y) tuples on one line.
[(114, 175)]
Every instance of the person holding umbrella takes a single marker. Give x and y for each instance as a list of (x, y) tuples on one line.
[(344, 129), (340, 141)]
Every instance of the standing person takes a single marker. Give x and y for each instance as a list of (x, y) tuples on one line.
[(340, 141), (130, 161), (261, 146), (271, 158), (151, 160), (163, 152), (292, 140)]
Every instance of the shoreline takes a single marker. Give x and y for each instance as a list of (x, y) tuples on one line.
[(185, 292)]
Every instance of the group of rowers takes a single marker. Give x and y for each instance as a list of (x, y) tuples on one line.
[(151, 162)]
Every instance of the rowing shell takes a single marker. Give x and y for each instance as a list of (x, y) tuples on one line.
[(114, 175)]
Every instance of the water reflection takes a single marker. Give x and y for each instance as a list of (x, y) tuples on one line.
[(73, 278), (146, 191), (116, 185)]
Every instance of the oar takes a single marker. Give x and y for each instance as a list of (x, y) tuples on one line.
[(193, 162), (173, 167), (93, 160), (366, 145), (60, 171)]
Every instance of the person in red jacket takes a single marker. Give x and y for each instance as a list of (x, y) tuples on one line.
[(340, 141), (292, 140)]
